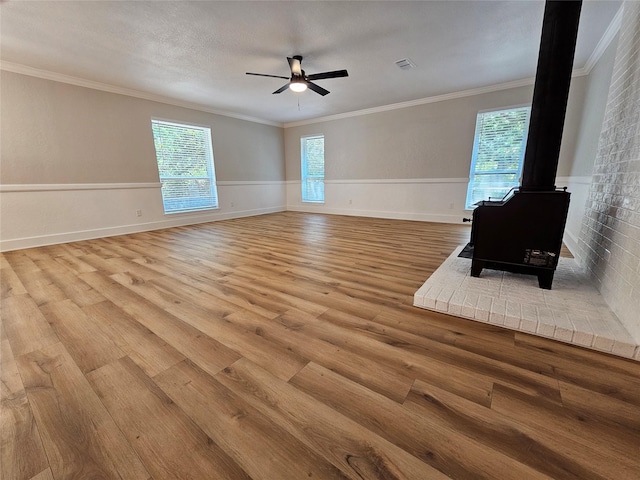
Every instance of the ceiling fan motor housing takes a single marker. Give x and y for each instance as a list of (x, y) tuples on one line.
[(299, 80)]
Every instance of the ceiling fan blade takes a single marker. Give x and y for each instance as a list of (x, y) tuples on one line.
[(295, 64), (317, 88), (281, 89), (265, 75), (323, 75)]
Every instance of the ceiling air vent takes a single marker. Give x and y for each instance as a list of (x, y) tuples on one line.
[(405, 64)]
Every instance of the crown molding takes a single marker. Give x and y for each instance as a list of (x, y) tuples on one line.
[(608, 36), (421, 101), (105, 87)]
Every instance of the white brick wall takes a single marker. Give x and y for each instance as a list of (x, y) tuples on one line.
[(609, 243)]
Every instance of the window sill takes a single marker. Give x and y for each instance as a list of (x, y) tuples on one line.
[(198, 210)]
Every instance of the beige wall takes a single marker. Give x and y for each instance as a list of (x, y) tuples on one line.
[(55, 133), (413, 163), (79, 163), (595, 101), (433, 140), (408, 163)]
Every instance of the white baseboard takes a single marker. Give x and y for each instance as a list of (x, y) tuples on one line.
[(571, 242), (579, 188), (421, 217), (427, 200), (38, 215), (76, 236)]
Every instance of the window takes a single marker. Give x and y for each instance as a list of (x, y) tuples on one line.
[(312, 168), (498, 152), (185, 164)]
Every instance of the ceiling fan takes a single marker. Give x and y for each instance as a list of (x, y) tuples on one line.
[(300, 81)]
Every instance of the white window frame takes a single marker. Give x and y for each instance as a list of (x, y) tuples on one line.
[(211, 173), (469, 202), (304, 174)]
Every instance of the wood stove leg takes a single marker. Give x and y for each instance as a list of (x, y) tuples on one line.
[(476, 267), (545, 280)]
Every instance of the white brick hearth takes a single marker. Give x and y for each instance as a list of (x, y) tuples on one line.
[(572, 312)]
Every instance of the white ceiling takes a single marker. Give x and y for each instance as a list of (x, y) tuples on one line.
[(198, 52)]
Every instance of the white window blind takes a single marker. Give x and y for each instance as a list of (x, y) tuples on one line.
[(312, 149), (498, 152), (185, 165)]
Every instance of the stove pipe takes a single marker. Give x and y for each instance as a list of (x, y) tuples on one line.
[(550, 94)]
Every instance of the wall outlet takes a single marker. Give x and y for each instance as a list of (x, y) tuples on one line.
[(451, 205), (350, 201), (233, 204), (138, 213)]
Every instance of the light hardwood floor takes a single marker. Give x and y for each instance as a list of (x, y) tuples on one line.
[(285, 346)]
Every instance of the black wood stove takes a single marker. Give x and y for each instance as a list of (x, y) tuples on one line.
[(522, 233)]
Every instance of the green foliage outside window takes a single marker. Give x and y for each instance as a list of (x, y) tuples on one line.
[(185, 166), (498, 152), (312, 168)]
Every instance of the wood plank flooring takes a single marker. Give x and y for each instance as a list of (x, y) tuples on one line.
[(285, 346)]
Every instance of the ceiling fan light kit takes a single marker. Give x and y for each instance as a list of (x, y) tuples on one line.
[(298, 86), (300, 81)]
